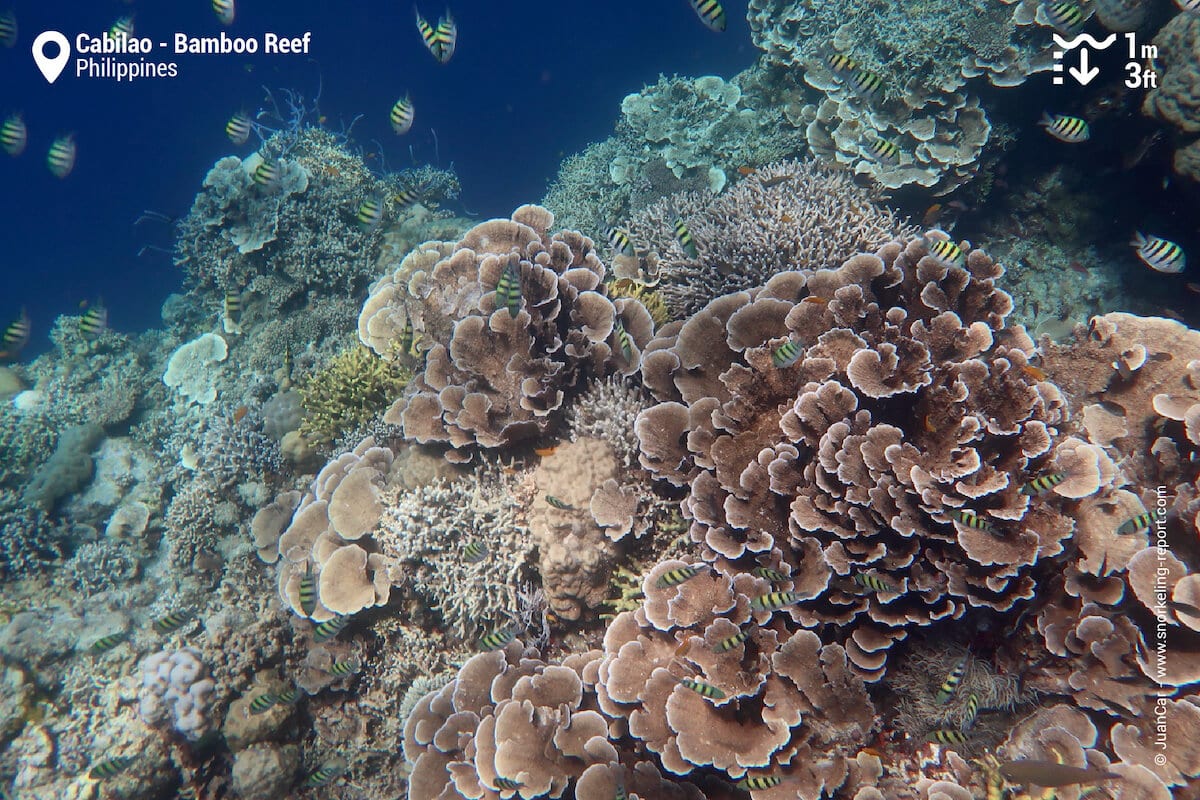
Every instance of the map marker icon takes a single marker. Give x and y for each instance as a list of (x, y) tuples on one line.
[(51, 67)]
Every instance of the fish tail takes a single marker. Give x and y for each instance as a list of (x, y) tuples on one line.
[(1139, 239)]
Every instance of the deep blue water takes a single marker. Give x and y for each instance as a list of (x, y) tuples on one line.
[(530, 83)]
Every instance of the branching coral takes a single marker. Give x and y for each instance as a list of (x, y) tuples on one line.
[(353, 387), (805, 217)]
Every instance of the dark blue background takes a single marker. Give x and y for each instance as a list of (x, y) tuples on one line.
[(530, 83)]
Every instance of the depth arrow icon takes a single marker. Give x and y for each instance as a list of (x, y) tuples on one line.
[(1083, 73)]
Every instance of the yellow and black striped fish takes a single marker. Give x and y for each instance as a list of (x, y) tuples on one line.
[(754, 783), (624, 341), (308, 591), (620, 241), (61, 158), (841, 63), (786, 354), (1071, 130), (1159, 254), (263, 703), (325, 774), (238, 128), (330, 628), (347, 667), (561, 505), (474, 552), (508, 290), (865, 83), (1067, 17), (14, 135), (946, 252), (711, 14), (947, 736), (233, 306), (109, 768), (703, 689), (402, 116), (1042, 483), (225, 11), (497, 639), (370, 212), (884, 152), (507, 784), (725, 645), (268, 174), (94, 322), (106, 643), (1135, 524), (964, 517), (768, 574), (674, 577), (950, 684), (686, 243), (428, 34), (406, 197), (446, 37), (875, 583), (971, 709), (408, 337), (172, 622), (8, 28), (775, 600), (16, 335), (122, 28)]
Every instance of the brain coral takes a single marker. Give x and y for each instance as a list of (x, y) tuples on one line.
[(491, 376), (908, 404)]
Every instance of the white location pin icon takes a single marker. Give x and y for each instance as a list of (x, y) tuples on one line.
[(51, 67)]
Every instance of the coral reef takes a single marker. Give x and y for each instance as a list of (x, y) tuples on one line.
[(1176, 98), (806, 217), (922, 57), (818, 460), (495, 374), (353, 387)]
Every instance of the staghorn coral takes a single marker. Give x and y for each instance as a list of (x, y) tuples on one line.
[(492, 377), (806, 217), (909, 402), (353, 387), (424, 530), (607, 410)]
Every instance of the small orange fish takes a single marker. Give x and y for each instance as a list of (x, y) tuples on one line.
[(683, 647), (240, 413), (812, 298), (1034, 372), (929, 426), (932, 215), (545, 451), (786, 218), (744, 171)]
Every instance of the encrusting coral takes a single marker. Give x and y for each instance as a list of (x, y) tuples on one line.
[(497, 369)]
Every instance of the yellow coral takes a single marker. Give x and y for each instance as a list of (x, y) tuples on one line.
[(627, 585), (353, 387), (652, 300)]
